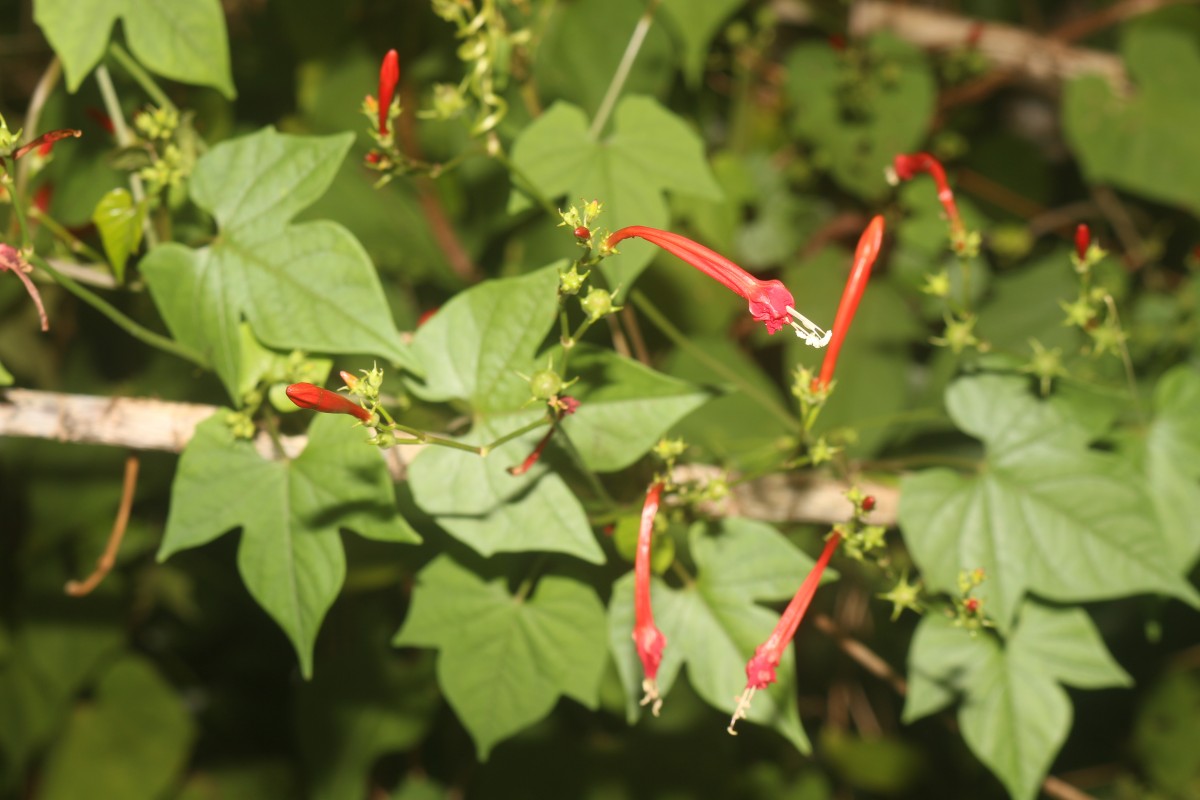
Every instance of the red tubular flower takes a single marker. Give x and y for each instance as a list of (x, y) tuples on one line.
[(770, 301), (864, 258), (307, 395), (648, 639), (1083, 238), (907, 166), (760, 670), (389, 76)]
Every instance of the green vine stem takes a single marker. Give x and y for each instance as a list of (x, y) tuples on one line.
[(422, 437), (112, 106), (623, 69), (125, 323), (33, 115), (143, 78)]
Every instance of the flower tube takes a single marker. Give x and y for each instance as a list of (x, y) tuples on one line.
[(770, 301), (647, 638)]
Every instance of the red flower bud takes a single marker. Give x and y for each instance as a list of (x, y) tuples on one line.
[(971, 604), (389, 76), (582, 233), (1083, 238), (864, 258), (307, 395), (868, 503)]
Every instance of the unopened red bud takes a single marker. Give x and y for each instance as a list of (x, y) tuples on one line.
[(1083, 238), (373, 157), (868, 503), (582, 233), (971, 604), (306, 395), (389, 76)]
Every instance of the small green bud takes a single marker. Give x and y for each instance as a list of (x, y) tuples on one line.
[(570, 282), (937, 284), (545, 384), (598, 303), (669, 449), (591, 211), (570, 218)]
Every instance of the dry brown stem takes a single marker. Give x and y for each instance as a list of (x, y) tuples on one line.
[(108, 558)]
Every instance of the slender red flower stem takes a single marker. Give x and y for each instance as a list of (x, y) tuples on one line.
[(865, 255), (760, 670), (532, 458), (306, 395), (648, 639)]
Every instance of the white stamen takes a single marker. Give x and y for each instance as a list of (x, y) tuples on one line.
[(812, 333)]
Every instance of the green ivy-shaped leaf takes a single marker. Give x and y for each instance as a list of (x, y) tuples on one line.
[(308, 286), (714, 623), (134, 706), (1172, 462), (476, 349), (1015, 715), (649, 151), (624, 407), (505, 660), (290, 555), (476, 344), (183, 41), (1140, 142), (1044, 513), (897, 103), (481, 505)]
